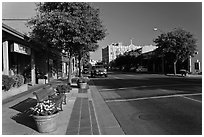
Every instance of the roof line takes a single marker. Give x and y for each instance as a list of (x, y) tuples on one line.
[(12, 31)]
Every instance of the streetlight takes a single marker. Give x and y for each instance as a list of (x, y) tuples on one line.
[(156, 29)]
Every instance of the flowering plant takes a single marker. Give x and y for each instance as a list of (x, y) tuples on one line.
[(44, 108), (63, 88), (83, 80)]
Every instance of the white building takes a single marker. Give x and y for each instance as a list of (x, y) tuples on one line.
[(113, 50)]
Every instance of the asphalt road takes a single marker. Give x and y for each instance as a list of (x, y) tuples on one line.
[(151, 104)]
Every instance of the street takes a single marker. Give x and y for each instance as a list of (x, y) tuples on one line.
[(152, 104)]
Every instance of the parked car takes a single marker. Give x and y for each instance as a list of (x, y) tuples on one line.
[(141, 69), (183, 72), (132, 69), (85, 71), (98, 70)]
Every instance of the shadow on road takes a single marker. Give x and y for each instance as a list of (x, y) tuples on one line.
[(143, 86)]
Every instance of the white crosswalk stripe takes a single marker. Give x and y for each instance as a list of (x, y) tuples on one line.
[(157, 97)]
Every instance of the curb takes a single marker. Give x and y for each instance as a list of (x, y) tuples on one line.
[(108, 125)]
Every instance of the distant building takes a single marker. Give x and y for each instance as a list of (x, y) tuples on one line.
[(92, 62), (113, 50)]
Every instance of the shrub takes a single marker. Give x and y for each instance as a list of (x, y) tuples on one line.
[(7, 82), (63, 88), (19, 80), (83, 80)]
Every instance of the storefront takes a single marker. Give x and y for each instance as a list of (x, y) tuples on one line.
[(19, 60), (17, 54), (20, 55)]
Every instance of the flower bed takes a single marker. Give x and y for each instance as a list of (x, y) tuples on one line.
[(62, 88)]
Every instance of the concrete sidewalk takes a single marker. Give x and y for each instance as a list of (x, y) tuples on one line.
[(85, 113)]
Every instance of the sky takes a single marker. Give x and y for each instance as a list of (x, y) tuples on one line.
[(127, 20)]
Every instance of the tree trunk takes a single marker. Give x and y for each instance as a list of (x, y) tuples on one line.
[(79, 58), (70, 71), (175, 67)]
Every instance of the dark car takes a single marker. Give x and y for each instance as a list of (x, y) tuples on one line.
[(85, 71), (98, 70), (183, 72)]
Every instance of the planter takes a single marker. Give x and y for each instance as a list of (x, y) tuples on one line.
[(46, 124), (14, 91), (82, 85), (41, 81)]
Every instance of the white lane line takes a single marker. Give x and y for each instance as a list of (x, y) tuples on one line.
[(117, 77), (154, 97), (130, 75), (192, 99), (109, 89)]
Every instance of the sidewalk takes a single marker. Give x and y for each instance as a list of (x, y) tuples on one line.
[(84, 114)]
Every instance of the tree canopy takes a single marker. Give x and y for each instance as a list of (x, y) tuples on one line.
[(73, 27), (67, 25), (128, 60), (178, 44)]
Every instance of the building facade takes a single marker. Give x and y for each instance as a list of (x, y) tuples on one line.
[(113, 50), (154, 65), (20, 55)]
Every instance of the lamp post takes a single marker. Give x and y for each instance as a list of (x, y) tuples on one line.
[(156, 29)]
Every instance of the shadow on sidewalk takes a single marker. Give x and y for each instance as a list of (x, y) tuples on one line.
[(24, 117)]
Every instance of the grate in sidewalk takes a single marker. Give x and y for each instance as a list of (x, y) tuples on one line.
[(84, 90), (83, 120)]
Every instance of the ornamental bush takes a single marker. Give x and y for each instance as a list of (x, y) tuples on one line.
[(7, 82), (19, 80), (83, 80), (63, 88)]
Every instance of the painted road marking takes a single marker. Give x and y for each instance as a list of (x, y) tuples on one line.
[(117, 77), (192, 99), (109, 89), (130, 75), (157, 97)]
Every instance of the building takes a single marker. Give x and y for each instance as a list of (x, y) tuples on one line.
[(21, 55), (159, 64), (113, 50)]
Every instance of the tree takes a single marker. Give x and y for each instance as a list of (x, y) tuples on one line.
[(128, 60), (177, 44), (73, 27)]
